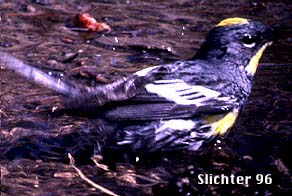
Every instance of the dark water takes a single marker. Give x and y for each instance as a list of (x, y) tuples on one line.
[(34, 141)]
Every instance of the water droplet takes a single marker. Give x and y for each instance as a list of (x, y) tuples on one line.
[(54, 108), (50, 73), (183, 29), (116, 39), (137, 159), (168, 49)]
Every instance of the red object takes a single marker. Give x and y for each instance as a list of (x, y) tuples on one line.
[(86, 21)]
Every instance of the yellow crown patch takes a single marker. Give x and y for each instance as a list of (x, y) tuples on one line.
[(232, 21)]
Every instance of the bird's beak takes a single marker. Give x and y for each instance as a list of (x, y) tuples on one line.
[(252, 66), (268, 39)]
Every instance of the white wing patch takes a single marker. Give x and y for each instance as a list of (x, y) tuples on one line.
[(182, 93), (176, 124)]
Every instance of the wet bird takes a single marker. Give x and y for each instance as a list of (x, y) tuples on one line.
[(180, 105)]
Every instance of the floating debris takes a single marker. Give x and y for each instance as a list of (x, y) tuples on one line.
[(86, 22), (67, 40), (69, 57)]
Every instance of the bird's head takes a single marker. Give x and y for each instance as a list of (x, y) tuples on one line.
[(236, 40)]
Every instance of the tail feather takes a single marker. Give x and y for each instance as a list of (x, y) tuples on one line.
[(36, 75), (117, 91)]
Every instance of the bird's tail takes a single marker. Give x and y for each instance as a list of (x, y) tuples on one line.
[(98, 96), (36, 75)]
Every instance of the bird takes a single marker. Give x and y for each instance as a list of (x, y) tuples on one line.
[(186, 103), (179, 105)]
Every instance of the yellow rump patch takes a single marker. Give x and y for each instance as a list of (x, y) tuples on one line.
[(221, 123), (232, 21), (254, 61)]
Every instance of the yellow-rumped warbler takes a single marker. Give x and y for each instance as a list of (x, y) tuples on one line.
[(188, 102), (178, 105)]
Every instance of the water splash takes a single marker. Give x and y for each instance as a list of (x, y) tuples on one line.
[(183, 30)]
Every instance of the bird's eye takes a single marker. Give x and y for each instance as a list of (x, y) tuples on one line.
[(249, 41)]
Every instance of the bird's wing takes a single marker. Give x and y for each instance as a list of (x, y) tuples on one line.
[(169, 99)]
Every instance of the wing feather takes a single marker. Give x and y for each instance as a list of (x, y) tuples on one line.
[(165, 96)]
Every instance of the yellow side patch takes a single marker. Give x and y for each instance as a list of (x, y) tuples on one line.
[(221, 123), (232, 21), (254, 61)]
